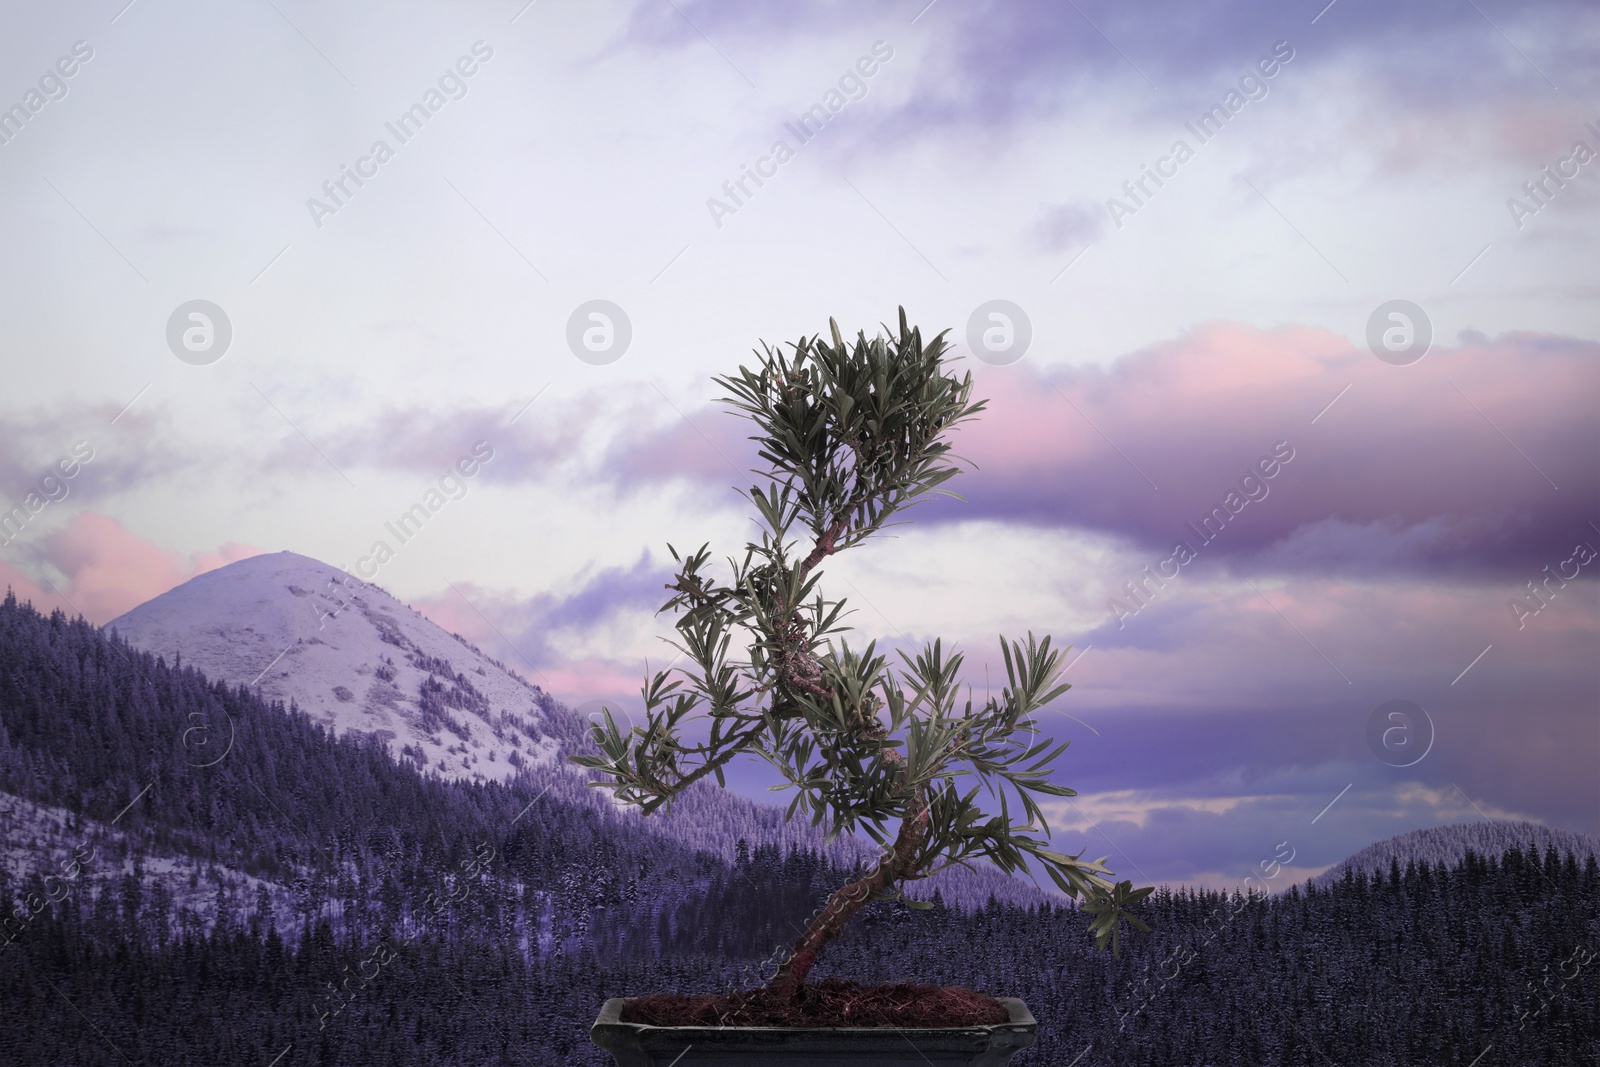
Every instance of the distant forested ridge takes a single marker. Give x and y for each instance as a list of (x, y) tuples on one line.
[(251, 791), (307, 900), (1492, 962), (1450, 844)]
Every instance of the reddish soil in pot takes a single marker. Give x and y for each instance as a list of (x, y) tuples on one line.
[(830, 1002)]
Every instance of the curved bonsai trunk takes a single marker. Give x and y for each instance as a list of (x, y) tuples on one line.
[(898, 862)]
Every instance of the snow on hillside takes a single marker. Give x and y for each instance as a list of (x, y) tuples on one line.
[(72, 854), (352, 657), (1449, 844)]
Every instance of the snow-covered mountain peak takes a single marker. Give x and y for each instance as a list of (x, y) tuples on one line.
[(351, 656)]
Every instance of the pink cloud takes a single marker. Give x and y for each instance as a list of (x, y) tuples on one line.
[(528, 624), (520, 632), (111, 570), (1481, 458)]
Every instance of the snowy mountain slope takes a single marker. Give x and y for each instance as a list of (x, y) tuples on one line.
[(1448, 844), (70, 854), (352, 657)]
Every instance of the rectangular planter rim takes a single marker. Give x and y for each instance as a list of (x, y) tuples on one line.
[(1021, 1018)]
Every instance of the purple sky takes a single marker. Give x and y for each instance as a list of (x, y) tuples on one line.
[(1183, 332)]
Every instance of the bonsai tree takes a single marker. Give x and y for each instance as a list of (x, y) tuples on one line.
[(853, 434)]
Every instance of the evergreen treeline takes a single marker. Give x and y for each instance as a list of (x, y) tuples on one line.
[(1448, 844), (1487, 963), (90, 725), (450, 923), (1426, 965)]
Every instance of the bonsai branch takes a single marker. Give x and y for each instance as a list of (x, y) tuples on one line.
[(900, 861), (663, 792), (826, 545)]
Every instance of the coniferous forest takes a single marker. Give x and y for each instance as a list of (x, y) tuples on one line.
[(307, 900)]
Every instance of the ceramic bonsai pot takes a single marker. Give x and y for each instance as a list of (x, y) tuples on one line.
[(642, 1045)]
